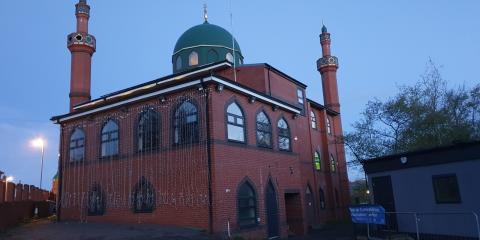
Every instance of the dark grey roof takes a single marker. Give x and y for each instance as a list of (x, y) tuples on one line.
[(458, 152)]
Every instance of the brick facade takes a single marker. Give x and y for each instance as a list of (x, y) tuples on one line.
[(197, 184)]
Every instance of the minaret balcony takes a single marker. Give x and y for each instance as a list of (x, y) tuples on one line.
[(79, 38), (82, 8), (327, 61)]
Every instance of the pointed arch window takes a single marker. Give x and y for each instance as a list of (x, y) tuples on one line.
[(247, 205), (317, 161), (329, 126), (185, 125), (96, 201), (193, 59), (310, 206), (283, 135), (77, 145), (212, 56), (333, 163), (143, 197), (109, 139), (235, 123), (321, 198), (229, 57), (264, 130), (313, 120), (178, 63), (148, 131)]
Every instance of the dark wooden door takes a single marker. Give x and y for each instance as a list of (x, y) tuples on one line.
[(383, 195), (272, 211), (310, 207)]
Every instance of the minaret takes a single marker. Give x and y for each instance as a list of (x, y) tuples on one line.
[(327, 65), (82, 46)]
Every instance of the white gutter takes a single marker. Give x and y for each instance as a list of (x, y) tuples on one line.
[(180, 86), (159, 92), (150, 85), (257, 96)]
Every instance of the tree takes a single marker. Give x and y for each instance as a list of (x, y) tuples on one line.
[(425, 115)]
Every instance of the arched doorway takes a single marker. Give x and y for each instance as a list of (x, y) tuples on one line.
[(309, 207), (272, 211)]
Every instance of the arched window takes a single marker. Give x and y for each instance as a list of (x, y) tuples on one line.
[(193, 59), (77, 145), (178, 63), (264, 130), (212, 56), (333, 163), (329, 126), (310, 206), (235, 123), (109, 139), (317, 161), (229, 57), (283, 135), (247, 205), (148, 131), (143, 197), (96, 200), (313, 120), (321, 198), (185, 123)]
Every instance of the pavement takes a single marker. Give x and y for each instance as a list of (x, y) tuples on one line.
[(335, 231), (45, 229), (48, 230)]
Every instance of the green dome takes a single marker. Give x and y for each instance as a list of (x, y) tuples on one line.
[(210, 42)]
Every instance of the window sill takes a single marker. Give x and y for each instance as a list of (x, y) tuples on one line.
[(263, 146), (111, 157), (236, 141)]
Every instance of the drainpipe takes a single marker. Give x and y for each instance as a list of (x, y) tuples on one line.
[(209, 159)]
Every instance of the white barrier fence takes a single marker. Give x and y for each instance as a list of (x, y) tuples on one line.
[(427, 226)]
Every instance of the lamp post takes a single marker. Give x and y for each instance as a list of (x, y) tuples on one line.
[(40, 143), (8, 179)]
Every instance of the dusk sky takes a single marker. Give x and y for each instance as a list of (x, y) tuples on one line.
[(380, 45)]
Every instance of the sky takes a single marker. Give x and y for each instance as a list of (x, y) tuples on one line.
[(380, 45)]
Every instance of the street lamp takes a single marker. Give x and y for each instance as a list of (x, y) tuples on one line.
[(8, 179), (39, 143)]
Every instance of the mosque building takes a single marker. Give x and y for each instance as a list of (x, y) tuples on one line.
[(231, 147)]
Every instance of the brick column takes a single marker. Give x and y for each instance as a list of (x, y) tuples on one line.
[(31, 192), (25, 192), (2, 191), (18, 192), (10, 192)]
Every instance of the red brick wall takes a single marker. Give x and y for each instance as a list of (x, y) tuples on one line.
[(13, 213), (178, 174), (231, 164)]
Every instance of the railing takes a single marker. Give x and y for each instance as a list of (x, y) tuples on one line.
[(427, 226)]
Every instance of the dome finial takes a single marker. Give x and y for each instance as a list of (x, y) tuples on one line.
[(205, 15), (324, 29)]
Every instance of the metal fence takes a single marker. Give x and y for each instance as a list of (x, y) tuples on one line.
[(427, 226)]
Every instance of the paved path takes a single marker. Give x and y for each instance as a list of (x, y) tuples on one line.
[(47, 230), (330, 232)]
